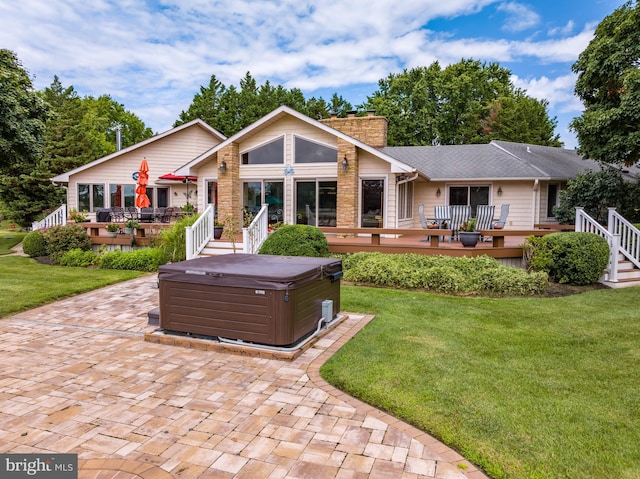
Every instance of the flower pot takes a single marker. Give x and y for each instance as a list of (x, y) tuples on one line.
[(469, 238), (217, 232), (112, 234), (128, 231)]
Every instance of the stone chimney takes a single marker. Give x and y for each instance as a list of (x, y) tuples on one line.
[(370, 129)]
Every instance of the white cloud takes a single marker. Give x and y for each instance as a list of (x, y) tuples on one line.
[(155, 60), (519, 17)]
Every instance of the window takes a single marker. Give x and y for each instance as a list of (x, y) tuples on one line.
[(257, 193), (90, 197), (552, 199), (469, 195), (311, 152), (405, 201), (316, 202), (159, 197), (372, 201), (269, 153), (122, 195)]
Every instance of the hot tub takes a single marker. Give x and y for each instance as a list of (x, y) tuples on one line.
[(271, 300)]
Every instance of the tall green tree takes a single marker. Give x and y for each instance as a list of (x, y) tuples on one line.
[(23, 115), (609, 85), (467, 102), (25, 187), (229, 109)]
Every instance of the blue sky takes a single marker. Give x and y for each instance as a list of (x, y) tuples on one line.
[(152, 56)]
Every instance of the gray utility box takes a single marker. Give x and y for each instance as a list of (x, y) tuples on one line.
[(273, 300)]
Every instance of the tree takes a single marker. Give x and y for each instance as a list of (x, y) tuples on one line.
[(22, 114), (229, 110), (609, 85), (25, 189), (467, 102), (596, 191), (521, 119)]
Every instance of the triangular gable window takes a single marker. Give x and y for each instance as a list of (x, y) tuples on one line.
[(267, 154), (312, 152)]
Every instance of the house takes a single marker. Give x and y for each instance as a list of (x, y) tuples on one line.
[(109, 181), (333, 172)]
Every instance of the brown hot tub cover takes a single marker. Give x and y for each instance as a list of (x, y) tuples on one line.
[(275, 300)]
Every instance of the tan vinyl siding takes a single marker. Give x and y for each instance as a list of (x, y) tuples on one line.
[(519, 195), (163, 156)]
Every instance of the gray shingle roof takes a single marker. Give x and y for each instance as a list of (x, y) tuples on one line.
[(496, 160)]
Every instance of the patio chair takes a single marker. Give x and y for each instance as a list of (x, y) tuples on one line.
[(146, 215), (484, 217), (441, 214), (423, 221), (504, 213), (117, 214), (459, 214), (131, 212)]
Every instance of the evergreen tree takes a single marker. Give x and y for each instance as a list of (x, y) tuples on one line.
[(25, 187)]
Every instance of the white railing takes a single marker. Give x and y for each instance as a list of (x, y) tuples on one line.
[(254, 235), (57, 218), (199, 233), (628, 236), (622, 236)]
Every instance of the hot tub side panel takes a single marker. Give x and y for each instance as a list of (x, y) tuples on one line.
[(196, 305), (298, 315), (210, 310)]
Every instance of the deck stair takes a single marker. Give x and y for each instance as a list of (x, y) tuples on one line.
[(624, 243), (218, 247), (627, 271)]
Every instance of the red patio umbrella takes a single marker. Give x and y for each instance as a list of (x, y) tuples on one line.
[(142, 200)]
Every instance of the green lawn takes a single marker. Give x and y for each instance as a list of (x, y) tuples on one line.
[(9, 238), (25, 284), (524, 388)]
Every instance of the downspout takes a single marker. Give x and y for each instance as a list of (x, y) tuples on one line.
[(535, 200)]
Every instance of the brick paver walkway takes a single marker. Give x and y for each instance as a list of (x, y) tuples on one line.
[(78, 377)]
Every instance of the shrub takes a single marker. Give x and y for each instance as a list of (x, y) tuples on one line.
[(574, 258), (61, 239), (34, 244), (442, 274), (78, 257), (296, 240), (173, 242), (145, 259)]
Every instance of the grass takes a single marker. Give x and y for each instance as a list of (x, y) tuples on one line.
[(8, 241), (524, 388), (25, 284)]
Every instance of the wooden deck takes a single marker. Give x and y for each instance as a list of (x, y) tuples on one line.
[(501, 244)]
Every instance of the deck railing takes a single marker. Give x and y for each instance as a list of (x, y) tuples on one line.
[(622, 236), (627, 234), (254, 235), (57, 218), (200, 233)]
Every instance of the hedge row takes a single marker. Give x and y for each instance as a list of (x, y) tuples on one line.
[(443, 274)]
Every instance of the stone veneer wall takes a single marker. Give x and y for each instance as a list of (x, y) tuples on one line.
[(371, 130), (229, 185), (347, 200)]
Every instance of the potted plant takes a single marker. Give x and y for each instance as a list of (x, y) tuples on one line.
[(469, 237), (218, 228), (130, 225), (112, 230), (77, 216)]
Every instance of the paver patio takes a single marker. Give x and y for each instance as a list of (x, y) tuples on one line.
[(78, 377)]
